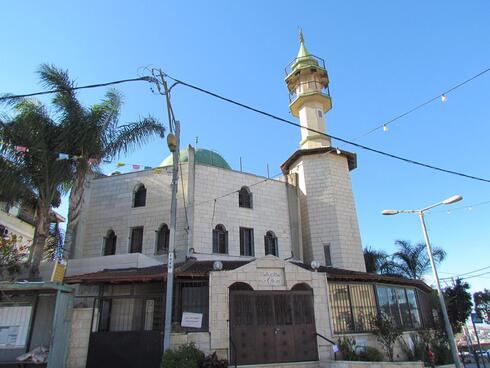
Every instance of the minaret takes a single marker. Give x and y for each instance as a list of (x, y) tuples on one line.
[(307, 81), (329, 227)]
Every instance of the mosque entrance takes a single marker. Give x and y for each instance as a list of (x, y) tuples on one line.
[(272, 326)]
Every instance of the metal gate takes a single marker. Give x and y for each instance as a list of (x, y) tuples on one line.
[(272, 326), (127, 332), (61, 329)]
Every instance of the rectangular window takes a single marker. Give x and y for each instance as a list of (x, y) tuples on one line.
[(246, 241), (400, 305), (191, 296), (328, 257), (353, 307), (136, 240), (14, 325)]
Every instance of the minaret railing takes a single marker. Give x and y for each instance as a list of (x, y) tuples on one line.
[(289, 68)]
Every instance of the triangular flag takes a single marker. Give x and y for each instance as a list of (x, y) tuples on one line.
[(147, 167), (120, 164), (136, 167), (21, 149), (157, 170), (63, 156), (106, 161)]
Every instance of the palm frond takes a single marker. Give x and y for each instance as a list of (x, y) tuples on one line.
[(133, 135)]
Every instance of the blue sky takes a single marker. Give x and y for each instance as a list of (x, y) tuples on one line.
[(383, 57)]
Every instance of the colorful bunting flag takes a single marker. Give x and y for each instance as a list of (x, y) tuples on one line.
[(157, 170), (147, 167), (92, 161), (136, 167), (63, 156), (120, 164), (21, 149)]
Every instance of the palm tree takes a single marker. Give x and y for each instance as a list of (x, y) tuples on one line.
[(91, 133), (412, 261), (378, 261), (34, 176)]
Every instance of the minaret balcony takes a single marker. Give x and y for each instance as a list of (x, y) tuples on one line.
[(322, 97), (312, 66)]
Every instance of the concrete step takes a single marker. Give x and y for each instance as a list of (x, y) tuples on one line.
[(315, 364)]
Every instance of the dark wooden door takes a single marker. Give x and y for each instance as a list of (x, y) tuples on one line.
[(272, 326)]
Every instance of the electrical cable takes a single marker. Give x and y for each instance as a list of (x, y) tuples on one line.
[(466, 273), (442, 95), (275, 117), (13, 97)]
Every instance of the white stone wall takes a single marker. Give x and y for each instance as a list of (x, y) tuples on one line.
[(328, 211), (269, 212), (219, 282), (79, 338), (110, 207)]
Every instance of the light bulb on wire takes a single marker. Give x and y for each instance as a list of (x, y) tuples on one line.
[(385, 128), (443, 98)]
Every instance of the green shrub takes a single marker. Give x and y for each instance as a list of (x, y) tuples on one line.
[(186, 356), (347, 348), (370, 354), (212, 361)]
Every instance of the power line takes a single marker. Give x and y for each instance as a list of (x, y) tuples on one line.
[(466, 273), (468, 207), (275, 117), (439, 96), (13, 97)]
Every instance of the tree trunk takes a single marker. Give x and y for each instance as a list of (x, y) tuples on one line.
[(74, 206), (41, 234)]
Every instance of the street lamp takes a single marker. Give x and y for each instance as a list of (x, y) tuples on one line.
[(421, 213)]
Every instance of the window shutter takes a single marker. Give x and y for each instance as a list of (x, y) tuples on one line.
[(215, 241)]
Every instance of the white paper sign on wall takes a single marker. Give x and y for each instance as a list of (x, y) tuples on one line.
[(191, 320)]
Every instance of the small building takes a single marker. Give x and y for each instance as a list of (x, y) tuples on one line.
[(272, 270)]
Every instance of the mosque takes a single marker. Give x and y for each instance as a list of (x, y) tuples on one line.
[(266, 271)]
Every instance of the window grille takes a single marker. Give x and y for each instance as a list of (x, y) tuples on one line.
[(328, 257), (220, 240), (353, 307), (270, 241), (110, 243), (246, 242), (163, 235), (136, 240), (140, 196), (245, 198)]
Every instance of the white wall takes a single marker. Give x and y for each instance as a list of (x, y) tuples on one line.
[(109, 206), (269, 212)]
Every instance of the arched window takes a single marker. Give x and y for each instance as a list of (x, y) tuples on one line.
[(110, 243), (270, 241), (245, 198), (163, 235), (220, 240), (139, 197)]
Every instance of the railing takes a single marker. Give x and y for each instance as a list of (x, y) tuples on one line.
[(319, 60), (310, 86), (328, 340)]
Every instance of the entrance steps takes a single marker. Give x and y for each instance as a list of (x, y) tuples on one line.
[(281, 365)]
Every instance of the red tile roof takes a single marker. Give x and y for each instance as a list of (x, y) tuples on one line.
[(201, 269)]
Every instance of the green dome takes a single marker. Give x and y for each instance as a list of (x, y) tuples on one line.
[(203, 156)]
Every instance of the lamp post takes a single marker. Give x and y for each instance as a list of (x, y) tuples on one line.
[(421, 213)]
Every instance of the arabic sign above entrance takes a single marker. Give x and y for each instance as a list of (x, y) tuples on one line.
[(270, 277)]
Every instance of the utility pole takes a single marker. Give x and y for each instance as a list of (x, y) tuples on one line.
[(173, 142)]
